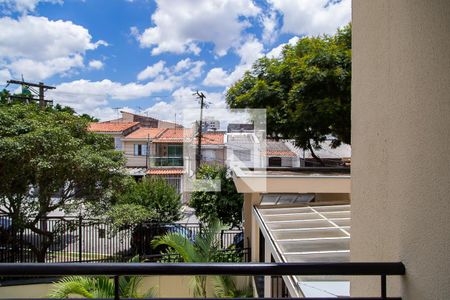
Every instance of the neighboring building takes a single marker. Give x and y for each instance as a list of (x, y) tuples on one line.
[(297, 215), (168, 158), (118, 130), (281, 154), (238, 127), (145, 121), (138, 146)]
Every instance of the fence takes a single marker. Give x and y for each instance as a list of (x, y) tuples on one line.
[(90, 240)]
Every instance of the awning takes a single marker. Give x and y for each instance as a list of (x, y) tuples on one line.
[(308, 233)]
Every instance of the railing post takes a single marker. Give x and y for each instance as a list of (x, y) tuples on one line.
[(116, 288), (383, 287), (80, 238), (221, 239)]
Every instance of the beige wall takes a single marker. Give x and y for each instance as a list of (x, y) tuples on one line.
[(165, 286), (401, 143), (132, 160)]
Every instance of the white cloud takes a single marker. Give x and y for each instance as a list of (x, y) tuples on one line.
[(151, 71), (39, 48), (276, 52), (269, 23), (183, 99), (96, 64), (181, 30), (4, 75), (23, 6), (92, 97), (249, 52), (184, 70), (306, 17)]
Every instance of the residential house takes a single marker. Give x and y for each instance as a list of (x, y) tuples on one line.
[(118, 130), (281, 154), (173, 153), (145, 121)]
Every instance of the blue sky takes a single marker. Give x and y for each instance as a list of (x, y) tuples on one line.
[(149, 56)]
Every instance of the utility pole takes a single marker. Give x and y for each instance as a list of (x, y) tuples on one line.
[(198, 157), (42, 88)]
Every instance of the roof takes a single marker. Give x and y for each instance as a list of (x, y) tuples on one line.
[(136, 171), (307, 233), (111, 126), (165, 171), (278, 148), (144, 133), (212, 138), (173, 135)]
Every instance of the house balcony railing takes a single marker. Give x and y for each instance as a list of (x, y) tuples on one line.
[(116, 270), (165, 161)]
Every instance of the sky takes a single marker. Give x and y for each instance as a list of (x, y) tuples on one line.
[(149, 57)]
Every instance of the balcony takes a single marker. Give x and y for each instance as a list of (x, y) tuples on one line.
[(165, 161), (270, 270)]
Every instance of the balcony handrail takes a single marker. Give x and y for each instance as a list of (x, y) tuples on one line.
[(243, 269)]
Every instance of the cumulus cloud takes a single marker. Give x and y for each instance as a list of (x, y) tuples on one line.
[(4, 75), (151, 71), (91, 97), (306, 17), (276, 52), (39, 48), (248, 52), (183, 70), (269, 23), (23, 6), (181, 30), (96, 64), (183, 99)]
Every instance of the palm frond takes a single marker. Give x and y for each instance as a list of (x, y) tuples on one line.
[(73, 285), (180, 244)]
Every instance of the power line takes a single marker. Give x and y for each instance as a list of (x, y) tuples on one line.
[(42, 89)]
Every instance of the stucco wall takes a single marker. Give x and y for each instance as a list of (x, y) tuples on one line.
[(401, 143), (132, 160)]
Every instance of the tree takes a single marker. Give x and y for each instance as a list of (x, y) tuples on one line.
[(100, 287), (306, 92), (205, 248), (225, 205), (49, 161), (152, 199)]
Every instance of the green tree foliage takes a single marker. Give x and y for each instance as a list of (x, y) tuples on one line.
[(49, 161), (306, 92), (99, 287), (225, 205), (204, 249), (152, 199)]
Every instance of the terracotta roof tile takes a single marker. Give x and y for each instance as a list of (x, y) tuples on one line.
[(165, 171), (172, 135), (144, 133), (110, 126), (280, 153)]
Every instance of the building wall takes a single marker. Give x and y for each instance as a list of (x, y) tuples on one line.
[(132, 160), (401, 143)]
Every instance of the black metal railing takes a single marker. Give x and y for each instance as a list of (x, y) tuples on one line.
[(77, 239), (236, 269)]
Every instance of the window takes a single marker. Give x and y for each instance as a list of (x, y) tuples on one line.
[(117, 143), (274, 161), (140, 149), (175, 150)]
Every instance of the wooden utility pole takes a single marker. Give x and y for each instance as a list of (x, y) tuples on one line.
[(42, 88), (198, 157)]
